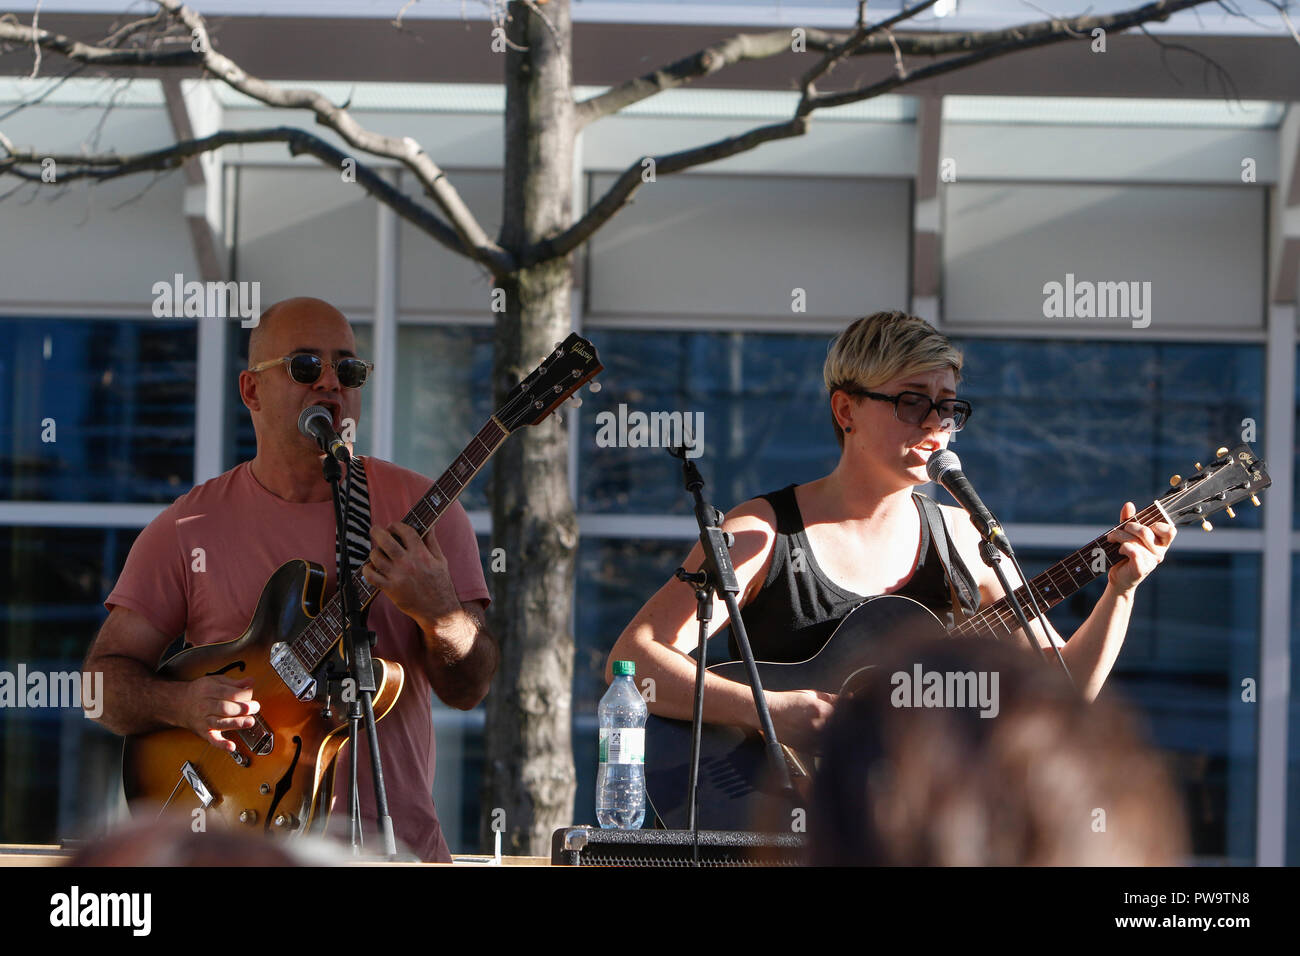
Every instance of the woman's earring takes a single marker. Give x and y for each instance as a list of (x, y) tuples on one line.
[(848, 428)]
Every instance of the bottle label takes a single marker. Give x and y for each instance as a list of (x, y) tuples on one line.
[(622, 745)]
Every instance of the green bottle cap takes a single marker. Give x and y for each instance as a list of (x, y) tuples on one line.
[(624, 668)]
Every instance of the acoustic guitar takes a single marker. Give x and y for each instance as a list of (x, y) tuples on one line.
[(735, 782), (279, 777)]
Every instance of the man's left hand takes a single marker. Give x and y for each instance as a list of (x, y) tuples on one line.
[(412, 571), (1144, 547)]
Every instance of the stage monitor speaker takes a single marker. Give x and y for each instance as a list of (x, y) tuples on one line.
[(592, 846)]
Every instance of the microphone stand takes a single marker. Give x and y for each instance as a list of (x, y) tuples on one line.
[(358, 667), (993, 558), (716, 574)]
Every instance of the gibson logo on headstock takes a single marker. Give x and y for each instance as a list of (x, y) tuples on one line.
[(579, 350)]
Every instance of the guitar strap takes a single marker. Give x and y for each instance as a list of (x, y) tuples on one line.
[(356, 513), (962, 588)]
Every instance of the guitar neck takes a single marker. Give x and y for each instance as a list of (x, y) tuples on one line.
[(1055, 584), (318, 639)]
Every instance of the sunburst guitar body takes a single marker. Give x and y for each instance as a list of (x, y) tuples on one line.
[(278, 778)]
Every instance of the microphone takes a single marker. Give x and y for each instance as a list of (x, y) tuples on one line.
[(945, 468), (315, 422)]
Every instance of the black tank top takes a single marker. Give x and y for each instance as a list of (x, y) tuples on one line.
[(799, 607)]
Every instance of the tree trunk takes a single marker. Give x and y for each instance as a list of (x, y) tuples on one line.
[(529, 767)]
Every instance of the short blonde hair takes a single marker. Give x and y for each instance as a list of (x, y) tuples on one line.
[(883, 346)]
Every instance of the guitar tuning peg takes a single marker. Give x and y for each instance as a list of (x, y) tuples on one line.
[(1231, 513), (1221, 453), (559, 419), (1205, 524), (1254, 501), (575, 401), (595, 387), (1198, 466), (1175, 481), (557, 346)]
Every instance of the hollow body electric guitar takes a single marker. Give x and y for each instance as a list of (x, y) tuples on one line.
[(279, 777), (735, 788)]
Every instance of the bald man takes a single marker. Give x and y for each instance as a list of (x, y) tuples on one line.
[(199, 567)]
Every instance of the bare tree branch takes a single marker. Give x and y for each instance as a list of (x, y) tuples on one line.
[(100, 167), (1013, 40), (758, 46), (850, 46), (618, 195), (125, 32), (737, 49), (474, 241), (1017, 38), (43, 95), (36, 47), (1281, 9), (1211, 66), (406, 150), (96, 55)]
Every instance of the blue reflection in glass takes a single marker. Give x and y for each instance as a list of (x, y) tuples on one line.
[(766, 419), (1066, 432), (96, 410)]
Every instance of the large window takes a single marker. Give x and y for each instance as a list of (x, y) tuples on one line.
[(1066, 432), (1192, 640), (60, 770), (758, 396), (444, 396), (96, 410)]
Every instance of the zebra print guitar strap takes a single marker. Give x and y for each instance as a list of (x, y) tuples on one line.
[(356, 513)]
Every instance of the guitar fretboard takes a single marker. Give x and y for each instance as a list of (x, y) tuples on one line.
[(1055, 584), (318, 638)]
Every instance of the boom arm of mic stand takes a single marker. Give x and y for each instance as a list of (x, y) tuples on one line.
[(989, 552)]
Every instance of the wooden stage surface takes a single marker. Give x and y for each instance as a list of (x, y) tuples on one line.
[(23, 854)]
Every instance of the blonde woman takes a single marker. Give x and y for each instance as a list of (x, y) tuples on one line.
[(808, 554)]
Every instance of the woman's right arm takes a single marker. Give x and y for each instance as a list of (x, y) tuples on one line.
[(664, 632)]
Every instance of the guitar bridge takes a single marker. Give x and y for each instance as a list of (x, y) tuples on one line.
[(258, 738)]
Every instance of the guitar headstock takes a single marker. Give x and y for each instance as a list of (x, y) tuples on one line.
[(1232, 476), (573, 363)]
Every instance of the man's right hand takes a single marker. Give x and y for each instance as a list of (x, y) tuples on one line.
[(214, 704), (798, 716)]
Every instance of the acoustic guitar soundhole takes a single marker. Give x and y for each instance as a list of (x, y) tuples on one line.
[(856, 681)]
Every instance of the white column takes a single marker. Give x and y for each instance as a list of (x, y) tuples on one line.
[(1274, 684), (211, 382), (383, 395)]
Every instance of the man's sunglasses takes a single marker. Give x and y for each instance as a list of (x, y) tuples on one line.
[(913, 408), (306, 369)]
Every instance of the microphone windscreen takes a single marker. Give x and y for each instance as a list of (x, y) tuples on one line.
[(310, 412), (942, 462)]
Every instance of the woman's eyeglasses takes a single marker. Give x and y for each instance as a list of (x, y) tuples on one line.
[(913, 408), (306, 369)]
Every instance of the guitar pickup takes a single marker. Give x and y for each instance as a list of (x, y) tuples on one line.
[(196, 783), (285, 663), (258, 738)]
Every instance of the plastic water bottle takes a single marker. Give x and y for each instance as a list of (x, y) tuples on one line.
[(620, 782)]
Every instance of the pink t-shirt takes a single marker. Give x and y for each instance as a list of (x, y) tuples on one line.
[(245, 533)]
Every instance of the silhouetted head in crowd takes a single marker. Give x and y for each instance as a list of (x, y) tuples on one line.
[(1045, 779), (172, 842)]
